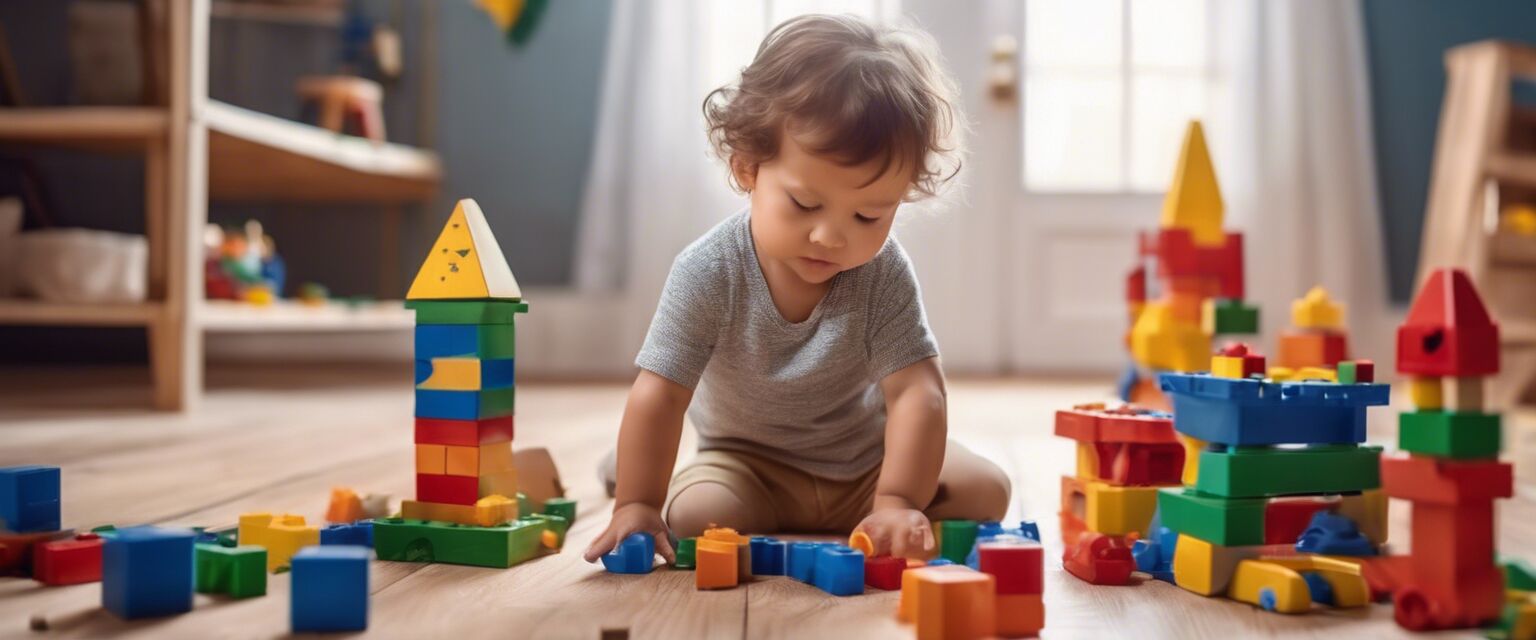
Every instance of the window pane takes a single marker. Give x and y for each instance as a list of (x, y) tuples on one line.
[(781, 10), (1168, 34), (1072, 33), (1072, 132), (1162, 106)]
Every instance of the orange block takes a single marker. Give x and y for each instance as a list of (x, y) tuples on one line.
[(345, 506), (715, 564), (860, 541), (1020, 615), (496, 456), (431, 459), (1312, 349), (743, 549), (503, 483), (956, 605), (462, 461), (906, 607)]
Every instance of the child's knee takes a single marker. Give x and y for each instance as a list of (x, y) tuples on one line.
[(705, 504), (980, 492)]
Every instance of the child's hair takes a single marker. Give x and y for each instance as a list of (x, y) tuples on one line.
[(862, 92)]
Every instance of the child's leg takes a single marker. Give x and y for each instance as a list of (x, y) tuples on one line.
[(718, 488), (970, 488)]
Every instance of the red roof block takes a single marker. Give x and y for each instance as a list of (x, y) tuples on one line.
[(1448, 331)]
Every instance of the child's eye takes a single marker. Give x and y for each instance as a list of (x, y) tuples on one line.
[(865, 219), (801, 206)]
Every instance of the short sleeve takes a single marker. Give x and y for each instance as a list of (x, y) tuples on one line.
[(686, 325), (898, 333)]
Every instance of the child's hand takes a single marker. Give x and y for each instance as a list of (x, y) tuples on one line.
[(899, 532), (635, 517)]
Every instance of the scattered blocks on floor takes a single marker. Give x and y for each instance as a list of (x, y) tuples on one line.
[(634, 554), (29, 498), (683, 557), (1292, 584), (16, 549), (282, 536), (330, 589), (74, 560), (1018, 566), (357, 534), (238, 572), (501, 546), (958, 604), (147, 572), (769, 556), (802, 560), (884, 572), (839, 570)]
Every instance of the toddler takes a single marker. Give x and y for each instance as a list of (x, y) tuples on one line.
[(793, 333)]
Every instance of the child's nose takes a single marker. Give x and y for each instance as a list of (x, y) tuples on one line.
[(827, 235)]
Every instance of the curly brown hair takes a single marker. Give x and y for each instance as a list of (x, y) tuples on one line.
[(859, 91)]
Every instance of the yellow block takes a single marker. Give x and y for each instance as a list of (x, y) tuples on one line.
[(1087, 461), (281, 535), (1425, 394), (1227, 367), (465, 262), (1524, 605), (1287, 374), (1369, 511), (1192, 448), (431, 458), (462, 461), (1194, 199), (496, 456), (502, 12), (1160, 341), (1206, 568), (453, 374), (1317, 311), (1282, 577), (1118, 510), (486, 512)]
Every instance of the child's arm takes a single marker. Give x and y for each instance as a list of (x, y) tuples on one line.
[(648, 437), (915, 432)]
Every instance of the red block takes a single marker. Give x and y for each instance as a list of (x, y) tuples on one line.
[(1454, 581), (463, 433), (1179, 257), (884, 572), (1284, 520), (1018, 566), (1365, 371), (1311, 349), (1126, 423), (1427, 480), (1448, 331), (1136, 285), (1142, 465), (431, 487), (16, 550), (74, 561), (1100, 559)]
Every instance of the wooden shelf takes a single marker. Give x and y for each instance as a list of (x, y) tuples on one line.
[(37, 312), (1516, 168), (289, 316), (254, 157), (316, 15), (93, 128)]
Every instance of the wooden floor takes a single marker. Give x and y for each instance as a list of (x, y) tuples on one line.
[(278, 441)]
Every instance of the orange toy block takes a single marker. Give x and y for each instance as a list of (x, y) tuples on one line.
[(715, 564), (956, 605), (906, 607), (431, 459), (743, 549), (1423, 479), (345, 506), (1300, 349), (1020, 615), (461, 461)]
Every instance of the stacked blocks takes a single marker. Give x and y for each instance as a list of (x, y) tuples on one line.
[(74, 560), (634, 554), (1123, 455), (1318, 339), (147, 572), (949, 602), (239, 572), (1451, 472), (29, 499), (722, 559), (1018, 567), (330, 589), (1237, 517)]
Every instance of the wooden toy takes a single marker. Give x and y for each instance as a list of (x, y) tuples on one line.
[(634, 554), (29, 498), (238, 572), (330, 589), (74, 560), (147, 572)]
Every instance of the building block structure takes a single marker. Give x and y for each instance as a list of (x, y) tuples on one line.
[(1187, 286), (147, 572), (1450, 470), (29, 499), (330, 589), (1317, 339), (1250, 507)]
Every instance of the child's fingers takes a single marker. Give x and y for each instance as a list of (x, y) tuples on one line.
[(664, 544), (602, 544), (927, 534), (880, 542)]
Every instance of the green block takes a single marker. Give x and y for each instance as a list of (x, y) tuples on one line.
[(1234, 316), (956, 537), (685, 553), (1519, 575), (563, 507), (1449, 434), (466, 311), (501, 546), (524, 507), (239, 572), (1229, 522), (1258, 472), (1347, 372)]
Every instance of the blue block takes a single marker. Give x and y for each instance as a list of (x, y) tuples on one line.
[(988, 529), (801, 563), (1155, 554), (147, 572), (330, 589), (636, 554), (1235, 412), (29, 498), (494, 374), (1334, 535), (1029, 529), (464, 405), (940, 562), (768, 556), (464, 341), (357, 534), (839, 570), (1321, 590), (1127, 382)]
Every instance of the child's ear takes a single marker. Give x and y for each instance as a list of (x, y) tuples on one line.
[(745, 172)]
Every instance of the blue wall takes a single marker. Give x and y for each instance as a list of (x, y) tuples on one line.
[(1406, 41)]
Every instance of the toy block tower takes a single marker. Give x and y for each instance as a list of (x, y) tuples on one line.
[(1276, 472), (1123, 455), (1197, 268), (1318, 339), (1447, 347)]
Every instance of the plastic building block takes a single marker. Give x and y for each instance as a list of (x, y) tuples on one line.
[(1311, 349), (743, 549), (1447, 434), (1205, 568), (238, 572), (75, 560), (955, 604), (465, 262), (635, 554), (1221, 317), (466, 311), (432, 487), (1453, 581), (715, 564), (1020, 615), (147, 572), (488, 341), (955, 538), (16, 549), (431, 459), (1448, 331), (1356, 371), (1097, 558), (839, 571), (1129, 423), (563, 507), (486, 512), (769, 556), (884, 572), (465, 405), (554, 529), (1426, 394), (1285, 519), (1224, 521), (1317, 311), (330, 589), (1254, 412), (1465, 394), (944, 562), (345, 504), (464, 433), (907, 605), (502, 546), (683, 556), (1519, 575), (1192, 448), (356, 534), (1249, 473), (1334, 535), (1106, 508), (859, 541), (802, 560), (1445, 482), (1154, 555), (1018, 566), (1160, 341), (1277, 584), (1194, 199), (281, 535), (464, 374), (29, 498), (1368, 510)]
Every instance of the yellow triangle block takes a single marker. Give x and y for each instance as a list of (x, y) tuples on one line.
[(1194, 199), (465, 263)]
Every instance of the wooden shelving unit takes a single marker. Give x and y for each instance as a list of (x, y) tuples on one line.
[(290, 316)]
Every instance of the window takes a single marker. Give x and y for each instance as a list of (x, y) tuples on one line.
[(1108, 86), (733, 29)]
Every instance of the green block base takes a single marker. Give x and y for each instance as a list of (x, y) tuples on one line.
[(1235, 317), (466, 311), (238, 572), (1229, 522), (563, 507), (1262, 472), (502, 546), (1450, 434)]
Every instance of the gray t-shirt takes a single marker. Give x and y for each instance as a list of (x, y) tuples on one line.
[(806, 394)]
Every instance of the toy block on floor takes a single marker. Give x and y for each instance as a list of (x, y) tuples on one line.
[(1334, 535), (29, 498), (683, 557), (238, 572), (1448, 331), (1450, 434), (839, 571), (635, 554), (281, 535), (16, 549), (768, 556), (74, 560), (955, 538), (463, 433), (330, 589), (464, 374), (465, 262), (466, 311), (1247, 473), (1018, 566), (715, 564), (1226, 522), (501, 546), (465, 405), (801, 564), (1020, 615), (1154, 555), (1206, 568), (955, 604), (884, 572), (563, 507), (1101, 559), (743, 549), (907, 604), (345, 504), (1280, 585), (147, 572), (356, 534)]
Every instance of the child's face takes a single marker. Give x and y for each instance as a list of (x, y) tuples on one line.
[(817, 217)]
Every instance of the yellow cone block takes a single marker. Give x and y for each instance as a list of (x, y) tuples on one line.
[(1194, 199), (1317, 311), (1160, 341), (465, 263)]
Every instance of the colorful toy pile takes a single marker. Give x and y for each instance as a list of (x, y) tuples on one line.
[(1317, 341), (1198, 269)]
